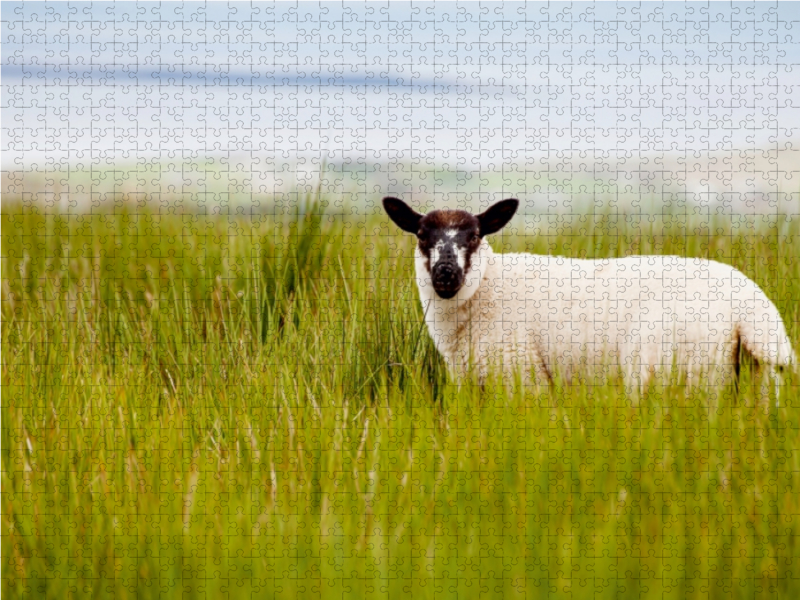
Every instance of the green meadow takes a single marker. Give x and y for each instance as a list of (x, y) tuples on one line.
[(219, 404)]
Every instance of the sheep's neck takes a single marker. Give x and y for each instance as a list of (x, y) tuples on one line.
[(455, 325)]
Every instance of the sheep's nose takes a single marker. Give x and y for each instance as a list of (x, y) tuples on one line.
[(445, 272), (447, 278)]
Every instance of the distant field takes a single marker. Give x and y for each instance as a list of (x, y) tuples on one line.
[(209, 406)]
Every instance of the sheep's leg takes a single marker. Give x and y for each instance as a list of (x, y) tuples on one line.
[(764, 373), (541, 372), (736, 361), (770, 346)]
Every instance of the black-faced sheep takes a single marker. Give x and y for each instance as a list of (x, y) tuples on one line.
[(545, 314)]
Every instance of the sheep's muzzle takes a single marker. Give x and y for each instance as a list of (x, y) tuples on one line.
[(447, 278)]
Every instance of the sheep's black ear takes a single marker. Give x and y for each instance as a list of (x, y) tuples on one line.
[(402, 214), (497, 216)]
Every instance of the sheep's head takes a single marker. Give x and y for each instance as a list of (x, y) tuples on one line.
[(449, 239)]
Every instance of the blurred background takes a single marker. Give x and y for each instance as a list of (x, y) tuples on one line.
[(216, 379), (236, 106)]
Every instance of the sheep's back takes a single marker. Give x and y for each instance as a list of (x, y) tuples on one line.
[(650, 310)]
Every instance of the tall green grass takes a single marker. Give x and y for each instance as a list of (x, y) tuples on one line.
[(224, 405)]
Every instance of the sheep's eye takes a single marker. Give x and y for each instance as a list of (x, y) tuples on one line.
[(474, 237)]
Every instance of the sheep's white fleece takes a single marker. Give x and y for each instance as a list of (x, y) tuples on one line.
[(551, 314)]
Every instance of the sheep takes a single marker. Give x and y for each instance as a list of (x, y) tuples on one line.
[(638, 315)]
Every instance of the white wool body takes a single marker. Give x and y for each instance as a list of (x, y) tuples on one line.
[(637, 316)]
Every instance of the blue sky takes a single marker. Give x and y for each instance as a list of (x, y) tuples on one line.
[(466, 84)]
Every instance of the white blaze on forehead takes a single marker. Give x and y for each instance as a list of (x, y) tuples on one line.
[(435, 253), (460, 252), (461, 257), (451, 233)]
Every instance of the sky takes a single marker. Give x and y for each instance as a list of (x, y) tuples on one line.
[(468, 86)]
